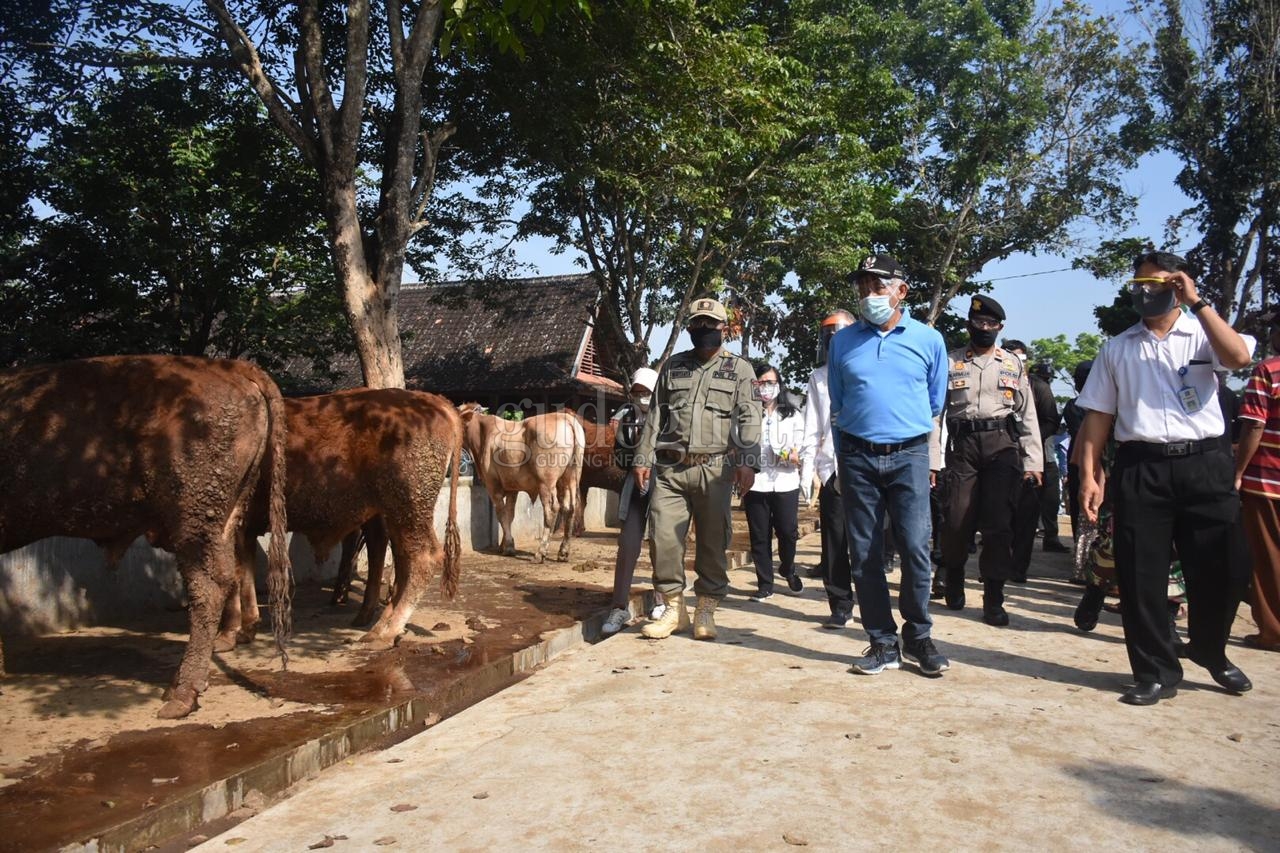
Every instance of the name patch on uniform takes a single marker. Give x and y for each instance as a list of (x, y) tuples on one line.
[(725, 374), (959, 383), (680, 373)]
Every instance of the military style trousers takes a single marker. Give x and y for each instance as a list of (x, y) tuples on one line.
[(982, 486), (701, 494)]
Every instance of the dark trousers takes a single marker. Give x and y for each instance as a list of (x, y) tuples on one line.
[(1073, 498), (1026, 520), (835, 548), (1191, 502), (982, 489), (772, 514), (1050, 501)]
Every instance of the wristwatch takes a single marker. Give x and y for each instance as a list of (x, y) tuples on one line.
[(1195, 309)]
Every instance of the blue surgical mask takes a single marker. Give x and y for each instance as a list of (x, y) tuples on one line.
[(877, 310)]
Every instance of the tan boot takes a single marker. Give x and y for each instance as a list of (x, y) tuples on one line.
[(704, 623), (673, 620)]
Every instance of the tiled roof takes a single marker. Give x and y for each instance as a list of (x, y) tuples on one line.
[(514, 335)]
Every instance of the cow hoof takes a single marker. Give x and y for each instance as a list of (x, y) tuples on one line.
[(378, 641), (539, 557), (245, 636), (509, 552), (564, 555), (224, 643), (179, 703)]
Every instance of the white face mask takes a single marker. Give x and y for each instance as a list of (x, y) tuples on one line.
[(769, 391), (643, 401), (1022, 357)]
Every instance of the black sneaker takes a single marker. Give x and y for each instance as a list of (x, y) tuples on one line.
[(836, 621), (762, 595), (877, 658), (793, 581), (925, 655)]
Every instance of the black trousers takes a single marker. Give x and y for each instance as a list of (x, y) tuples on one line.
[(1026, 520), (1073, 498), (1190, 502), (1050, 501), (772, 514), (982, 488), (836, 567)]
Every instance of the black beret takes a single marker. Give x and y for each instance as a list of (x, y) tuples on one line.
[(987, 307)]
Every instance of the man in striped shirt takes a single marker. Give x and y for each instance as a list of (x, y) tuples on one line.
[(1258, 479)]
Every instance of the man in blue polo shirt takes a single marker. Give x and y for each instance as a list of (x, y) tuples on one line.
[(888, 381)]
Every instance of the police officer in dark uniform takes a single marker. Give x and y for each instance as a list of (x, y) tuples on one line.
[(1037, 505), (993, 442)]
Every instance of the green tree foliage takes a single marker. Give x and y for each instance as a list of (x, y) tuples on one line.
[(1017, 128), (691, 147), (176, 225), (344, 84), (1219, 93), (1064, 355)]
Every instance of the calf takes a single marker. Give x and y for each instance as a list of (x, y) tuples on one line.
[(371, 458), (599, 471), (540, 456), (165, 447)]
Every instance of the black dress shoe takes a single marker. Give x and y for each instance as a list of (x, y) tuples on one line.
[(995, 615), (793, 582), (1147, 693), (1228, 676), (1090, 606), (954, 601), (1018, 579), (1053, 546)]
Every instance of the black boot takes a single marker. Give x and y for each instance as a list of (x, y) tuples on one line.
[(993, 612), (954, 589), (1090, 607)]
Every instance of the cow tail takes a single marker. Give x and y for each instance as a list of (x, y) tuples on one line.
[(452, 539), (279, 569)]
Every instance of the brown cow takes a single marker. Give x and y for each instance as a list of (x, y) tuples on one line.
[(598, 468), (168, 447), (376, 458), (541, 456)]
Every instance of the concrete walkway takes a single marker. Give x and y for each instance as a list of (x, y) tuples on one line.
[(765, 741)]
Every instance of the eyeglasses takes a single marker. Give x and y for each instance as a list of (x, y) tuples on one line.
[(983, 323), (1149, 285)]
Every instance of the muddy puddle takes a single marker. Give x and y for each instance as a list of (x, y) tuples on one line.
[(83, 751)]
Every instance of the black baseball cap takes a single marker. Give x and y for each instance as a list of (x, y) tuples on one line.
[(881, 266)]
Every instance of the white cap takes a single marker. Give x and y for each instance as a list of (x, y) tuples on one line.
[(646, 376)]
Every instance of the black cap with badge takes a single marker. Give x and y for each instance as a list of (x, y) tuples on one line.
[(985, 306), (881, 266)]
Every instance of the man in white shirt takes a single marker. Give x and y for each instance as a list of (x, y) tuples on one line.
[(1171, 482), (818, 454)]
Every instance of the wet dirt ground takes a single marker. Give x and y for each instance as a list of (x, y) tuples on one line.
[(83, 750)]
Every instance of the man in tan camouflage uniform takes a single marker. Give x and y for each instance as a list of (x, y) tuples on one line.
[(702, 438), (993, 442)]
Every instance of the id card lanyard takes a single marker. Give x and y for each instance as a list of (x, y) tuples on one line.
[(1188, 397)]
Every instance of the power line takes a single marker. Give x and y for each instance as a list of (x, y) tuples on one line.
[(1023, 275)]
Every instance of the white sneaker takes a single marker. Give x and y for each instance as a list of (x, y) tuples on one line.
[(615, 621), (657, 611)]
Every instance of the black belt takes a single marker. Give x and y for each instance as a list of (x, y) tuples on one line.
[(852, 442), (1170, 450), (964, 427)]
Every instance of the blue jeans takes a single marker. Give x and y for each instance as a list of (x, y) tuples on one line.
[(871, 483)]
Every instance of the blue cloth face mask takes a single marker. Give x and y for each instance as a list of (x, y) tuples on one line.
[(877, 310)]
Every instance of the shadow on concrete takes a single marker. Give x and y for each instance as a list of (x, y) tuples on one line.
[(1147, 799)]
